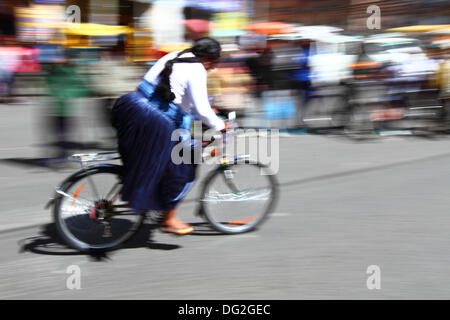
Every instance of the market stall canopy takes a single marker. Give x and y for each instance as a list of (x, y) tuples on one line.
[(444, 31), (420, 28), (442, 42), (270, 28), (93, 29), (318, 29), (170, 47), (316, 33), (391, 41)]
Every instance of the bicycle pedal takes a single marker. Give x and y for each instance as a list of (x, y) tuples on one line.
[(228, 174), (107, 234)]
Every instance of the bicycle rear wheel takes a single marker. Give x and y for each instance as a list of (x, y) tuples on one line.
[(237, 198), (89, 214)]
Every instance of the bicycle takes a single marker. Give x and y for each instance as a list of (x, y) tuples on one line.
[(88, 218)]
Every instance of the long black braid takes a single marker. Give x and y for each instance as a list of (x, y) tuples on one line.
[(203, 48)]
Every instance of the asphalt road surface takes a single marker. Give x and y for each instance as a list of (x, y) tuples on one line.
[(343, 206)]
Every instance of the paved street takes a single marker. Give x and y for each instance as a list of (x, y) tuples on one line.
[(343, 207)]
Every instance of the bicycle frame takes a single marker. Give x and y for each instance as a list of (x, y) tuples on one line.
[(85, 158)]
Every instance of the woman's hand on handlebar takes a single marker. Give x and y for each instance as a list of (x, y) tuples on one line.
[(228, 125)]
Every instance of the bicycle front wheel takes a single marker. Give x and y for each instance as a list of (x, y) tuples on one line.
[(89, 214), (237, 198)]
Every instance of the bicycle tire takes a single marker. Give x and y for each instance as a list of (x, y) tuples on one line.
[(63, 231), (226, 227)]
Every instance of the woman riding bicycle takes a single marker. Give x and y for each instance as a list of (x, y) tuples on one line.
[(145, 120)]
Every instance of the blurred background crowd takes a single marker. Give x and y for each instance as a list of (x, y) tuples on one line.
[(299, 65)]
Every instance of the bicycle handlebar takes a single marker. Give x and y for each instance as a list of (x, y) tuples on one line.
[(100, 156)]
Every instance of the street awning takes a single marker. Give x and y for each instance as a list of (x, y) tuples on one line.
[(170, 47), (270, 28), (420, 28), (93, 29)]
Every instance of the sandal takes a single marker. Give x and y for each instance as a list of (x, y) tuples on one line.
[(177, 231)]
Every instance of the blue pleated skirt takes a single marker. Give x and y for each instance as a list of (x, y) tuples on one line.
[(144, 124)]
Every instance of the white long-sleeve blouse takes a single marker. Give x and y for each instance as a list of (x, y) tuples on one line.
[(189, 84)]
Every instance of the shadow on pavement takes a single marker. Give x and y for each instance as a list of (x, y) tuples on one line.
[(47, 163), (55, 163), (48, 242), (204, 229)]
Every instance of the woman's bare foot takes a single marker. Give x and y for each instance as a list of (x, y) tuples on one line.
[(173, 224)]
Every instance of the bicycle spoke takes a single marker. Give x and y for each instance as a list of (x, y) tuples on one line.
[(238, 198), (78, 199), (113, 189), (91, 182), (94, 224), (249, 195)]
